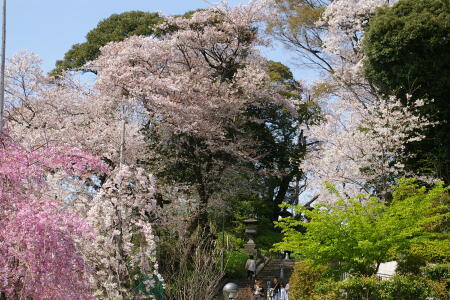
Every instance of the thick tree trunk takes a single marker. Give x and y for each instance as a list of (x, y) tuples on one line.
[(202, 212), (200, 220), (281, 194)]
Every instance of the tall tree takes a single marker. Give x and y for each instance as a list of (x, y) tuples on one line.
[(281, 144), (330, 35), (115, 28), (195, 83), (407, 52)]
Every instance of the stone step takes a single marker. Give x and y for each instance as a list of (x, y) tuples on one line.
[(270, 271)]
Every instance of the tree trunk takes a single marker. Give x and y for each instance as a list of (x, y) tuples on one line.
[(203, 209), (281, 194), (200, 219)]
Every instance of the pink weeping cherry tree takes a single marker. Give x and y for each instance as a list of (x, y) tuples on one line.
[(39, 257)]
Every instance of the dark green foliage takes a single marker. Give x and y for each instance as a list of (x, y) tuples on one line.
[(266, 237), (235, 264), (437, 272), (281, 144), (156, 293), (407, 50), (410, 264), (113, 29), (371, 288)]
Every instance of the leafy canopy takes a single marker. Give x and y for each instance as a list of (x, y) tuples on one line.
[(361, 233), (407, 51), (113, 29)]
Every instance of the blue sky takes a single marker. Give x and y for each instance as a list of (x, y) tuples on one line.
[(50, 27)]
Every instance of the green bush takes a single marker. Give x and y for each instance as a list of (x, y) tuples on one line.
[(235, 264), (371, 288), (437, 272), (405, 288), (356, 288), (303, 279), (439, 277)]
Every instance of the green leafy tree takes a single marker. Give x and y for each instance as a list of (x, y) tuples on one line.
[(113, 29), (357, 235), (282, 145), (407, 52)]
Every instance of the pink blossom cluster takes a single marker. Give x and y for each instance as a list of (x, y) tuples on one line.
[(38, 237)]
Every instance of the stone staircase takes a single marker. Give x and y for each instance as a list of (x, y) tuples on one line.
[(270, 271)]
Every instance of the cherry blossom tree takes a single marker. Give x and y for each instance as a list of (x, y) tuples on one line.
[(122, 253), (39, 257), (41, 110), (194, 84), (361, 142), (361, 147)]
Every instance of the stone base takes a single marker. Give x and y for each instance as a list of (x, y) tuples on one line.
[(250, 248)]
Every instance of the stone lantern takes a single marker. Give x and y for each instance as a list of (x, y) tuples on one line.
[(250, 231)]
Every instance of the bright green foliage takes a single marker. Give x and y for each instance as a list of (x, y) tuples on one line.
[(357, 235), (407, 51), (115, 28)]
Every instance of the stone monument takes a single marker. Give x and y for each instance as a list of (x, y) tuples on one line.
[(250, 231)]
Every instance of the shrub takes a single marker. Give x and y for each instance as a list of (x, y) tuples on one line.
[(439, 278), (303, 279), (356, 288), (370, 288), (405, 288), (235, 264), (437, 272)]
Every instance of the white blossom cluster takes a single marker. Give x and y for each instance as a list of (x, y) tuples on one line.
[(362, 138), (122, 251), (361, 146)]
